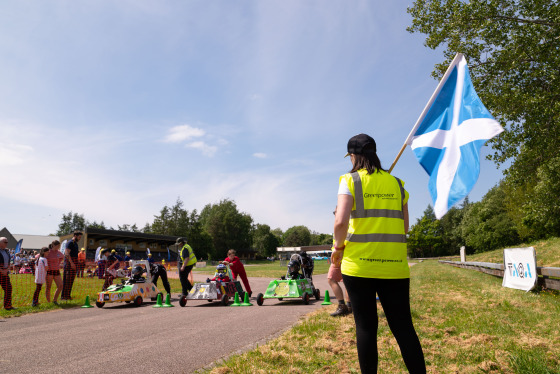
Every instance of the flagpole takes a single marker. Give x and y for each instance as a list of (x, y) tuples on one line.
[(455, 61)]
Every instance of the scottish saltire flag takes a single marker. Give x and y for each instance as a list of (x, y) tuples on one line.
[(18, 246), (98, 254), (449, 134), (148, 251)]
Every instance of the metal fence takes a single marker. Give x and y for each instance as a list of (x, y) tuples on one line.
[(549, 277)]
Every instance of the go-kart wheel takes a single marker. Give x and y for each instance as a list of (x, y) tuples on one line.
[(209, 300), (99, 304), (127, 301), (225, 300), (280, 298), (138, 301), (317, 294), (306, 298), (183, 301), (260, 299)]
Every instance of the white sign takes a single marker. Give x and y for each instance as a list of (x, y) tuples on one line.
[(520, 268)]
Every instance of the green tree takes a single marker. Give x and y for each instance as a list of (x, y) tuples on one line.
[(279, 235), (451, 229), (70, 222), (296, 236), (228, 227), (264, 241), (177, 221), (424, 239), (321, 239), (486, 224), (129, 228), (512, 48), (96, 225)]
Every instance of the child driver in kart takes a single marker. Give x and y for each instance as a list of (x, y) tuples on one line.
[(221, 274)]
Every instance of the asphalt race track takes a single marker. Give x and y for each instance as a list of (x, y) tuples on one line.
[(123, 338)]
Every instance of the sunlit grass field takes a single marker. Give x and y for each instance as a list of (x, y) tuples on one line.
[(467, 323), (23, 287)]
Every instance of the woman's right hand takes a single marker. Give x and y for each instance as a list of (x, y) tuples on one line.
[(336, 257)]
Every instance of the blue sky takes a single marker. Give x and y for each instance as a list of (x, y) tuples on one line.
[(114, 109)]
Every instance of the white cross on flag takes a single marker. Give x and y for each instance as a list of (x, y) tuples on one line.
[(449, 134)]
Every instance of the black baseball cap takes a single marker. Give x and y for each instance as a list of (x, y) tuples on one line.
[(361, 144)]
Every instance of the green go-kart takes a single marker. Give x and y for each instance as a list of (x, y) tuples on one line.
[(295, 285)]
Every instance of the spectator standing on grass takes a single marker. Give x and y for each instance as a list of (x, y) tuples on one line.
[(237, 269), (54, 258), (33, 260), (40, 274), (17, 263), (4, 273), (187, 260), (334, 277), (371, 223), (81, 263), (70, 265)]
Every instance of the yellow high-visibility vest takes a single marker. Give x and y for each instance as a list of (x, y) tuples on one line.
[(376, 241), (187, 251)]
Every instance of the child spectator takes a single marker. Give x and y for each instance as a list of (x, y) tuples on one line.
[(54, 258), (40, 274), (17, 263), (81, 263), (237, 268)]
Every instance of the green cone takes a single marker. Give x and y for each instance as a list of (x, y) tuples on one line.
[(158, 303), (86, 304), (246, 301), (236, 300), (327, 298), (168, 302)]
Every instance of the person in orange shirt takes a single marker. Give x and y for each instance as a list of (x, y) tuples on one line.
[(81, 263)]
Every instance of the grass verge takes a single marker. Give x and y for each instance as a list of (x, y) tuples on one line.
[(467, 323), (24, 286)]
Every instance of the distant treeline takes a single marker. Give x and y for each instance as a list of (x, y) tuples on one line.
[(212, 232), (505, 216)]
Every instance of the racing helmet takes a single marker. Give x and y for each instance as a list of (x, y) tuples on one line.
[(137, 272), (293, 268), (221, 270)]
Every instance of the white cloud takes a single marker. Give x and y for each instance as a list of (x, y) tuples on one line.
[(14, 154), (208, 150), (181, 133), (259, 155)]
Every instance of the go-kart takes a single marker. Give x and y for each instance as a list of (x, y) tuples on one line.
[(293, 285), (135, 289), (214, 290)]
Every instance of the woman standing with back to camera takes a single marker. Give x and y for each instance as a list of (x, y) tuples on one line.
[(370, 229)]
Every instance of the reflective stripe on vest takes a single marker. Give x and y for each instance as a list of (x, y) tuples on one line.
[(361, 212)]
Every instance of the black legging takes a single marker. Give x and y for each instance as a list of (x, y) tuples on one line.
[(157, 272), (394, 297), (184, 278)]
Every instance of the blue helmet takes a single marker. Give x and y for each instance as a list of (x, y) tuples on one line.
[(221, 270)]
